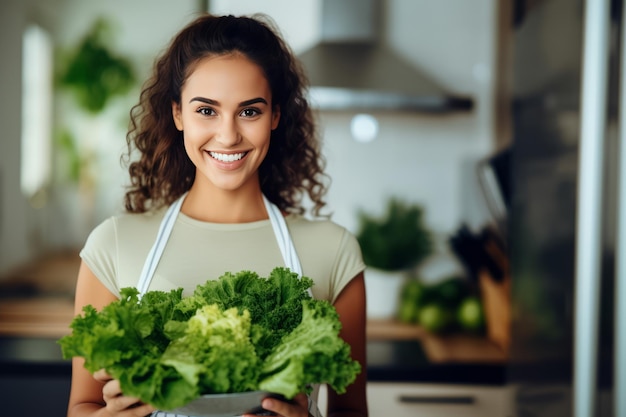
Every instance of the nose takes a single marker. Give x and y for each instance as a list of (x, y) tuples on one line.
[(228, 132)]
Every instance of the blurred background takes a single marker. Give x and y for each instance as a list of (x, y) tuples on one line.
[(452, 134), (58, 186)]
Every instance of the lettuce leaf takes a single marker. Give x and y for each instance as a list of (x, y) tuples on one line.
[(311, 352), (241, 332)]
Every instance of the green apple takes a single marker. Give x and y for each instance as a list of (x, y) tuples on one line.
[(411, 298), (470, 314), (435, 317)]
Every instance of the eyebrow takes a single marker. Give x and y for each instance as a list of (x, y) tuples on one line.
[(217, 103)]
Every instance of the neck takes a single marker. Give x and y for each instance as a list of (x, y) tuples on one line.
[(223, 206)]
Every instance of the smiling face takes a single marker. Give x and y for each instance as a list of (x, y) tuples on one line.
[(226, 116)]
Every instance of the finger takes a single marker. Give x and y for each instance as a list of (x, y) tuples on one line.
[(143, 410), (115, 399), (120, 403), (102, 375), (139, 410), (297, 407), (111, 389), (302, 400)]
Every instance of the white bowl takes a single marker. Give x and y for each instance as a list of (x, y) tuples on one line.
[(225, 405)]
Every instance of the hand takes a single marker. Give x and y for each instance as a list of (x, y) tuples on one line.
[(298, 407), (118, 404)]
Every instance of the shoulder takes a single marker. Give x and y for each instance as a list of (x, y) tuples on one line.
[(114, 249), (322, 226), (330, 254), (324, 235), (147, 219), (126, 226), (323, 229)]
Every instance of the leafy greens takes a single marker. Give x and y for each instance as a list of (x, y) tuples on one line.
[(238, 333)]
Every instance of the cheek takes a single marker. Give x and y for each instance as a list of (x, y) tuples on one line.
[(195, 130), (192, 139)]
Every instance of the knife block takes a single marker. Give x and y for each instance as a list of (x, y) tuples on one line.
[(496, 298)]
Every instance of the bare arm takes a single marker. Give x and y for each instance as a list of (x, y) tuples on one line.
[(351, 308), (99, 395)]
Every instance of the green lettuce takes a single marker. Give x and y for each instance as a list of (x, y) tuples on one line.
[(215, 353), (311, 352), (241, 332)]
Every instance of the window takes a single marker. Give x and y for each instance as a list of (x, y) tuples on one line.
[(37, 87)]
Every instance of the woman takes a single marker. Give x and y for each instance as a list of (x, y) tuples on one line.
[(226, 141)]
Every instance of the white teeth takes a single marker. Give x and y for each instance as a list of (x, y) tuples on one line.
[(227, 157)]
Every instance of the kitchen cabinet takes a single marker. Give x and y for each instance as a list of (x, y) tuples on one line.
[(412, 372), (438, 400), (30, 394)]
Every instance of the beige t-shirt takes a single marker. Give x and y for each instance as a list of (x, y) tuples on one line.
[(198, 251)]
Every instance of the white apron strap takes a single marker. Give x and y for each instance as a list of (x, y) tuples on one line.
[(287, 249), (279, 226), (165, 230)]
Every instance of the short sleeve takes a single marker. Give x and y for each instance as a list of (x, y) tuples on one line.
[(348, 263), (100, 254)]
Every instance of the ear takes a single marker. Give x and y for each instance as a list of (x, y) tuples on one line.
[(176, 114), (275, 117)]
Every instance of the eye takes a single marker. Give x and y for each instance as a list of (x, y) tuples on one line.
[(250, 112), (206, 111)]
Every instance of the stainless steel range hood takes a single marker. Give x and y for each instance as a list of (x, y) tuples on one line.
[(349, 69)]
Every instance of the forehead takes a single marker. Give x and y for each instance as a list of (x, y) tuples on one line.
[(222, 76)]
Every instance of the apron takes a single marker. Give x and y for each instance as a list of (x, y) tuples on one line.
[(283, 238)]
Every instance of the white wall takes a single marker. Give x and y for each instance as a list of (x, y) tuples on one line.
[(425, 159), (26, 232), (141, 29), (428, 159), (17, 240), (421, 158)]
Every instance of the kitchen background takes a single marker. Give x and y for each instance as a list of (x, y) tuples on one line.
[(429, 159), (554, 338), (53, 192)]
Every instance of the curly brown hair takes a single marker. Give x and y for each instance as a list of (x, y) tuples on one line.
[(293, 165)]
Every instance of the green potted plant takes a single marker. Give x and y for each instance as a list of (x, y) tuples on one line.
[(393, 246), (92, 72), (92, 75), (89, 76)]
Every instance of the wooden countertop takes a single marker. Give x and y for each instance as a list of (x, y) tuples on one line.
[(37, 298), (36, 316), (445, 348), (50, 317)]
